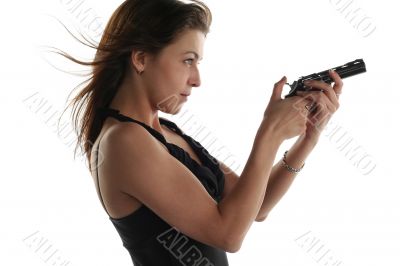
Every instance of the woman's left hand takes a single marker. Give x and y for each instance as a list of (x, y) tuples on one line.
[(323, 105)]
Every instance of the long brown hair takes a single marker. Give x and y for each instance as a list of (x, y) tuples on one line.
[(145, 25)]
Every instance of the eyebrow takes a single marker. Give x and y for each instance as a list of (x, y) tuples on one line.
[(195, 54)]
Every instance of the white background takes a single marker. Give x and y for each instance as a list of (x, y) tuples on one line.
[(351, 214)]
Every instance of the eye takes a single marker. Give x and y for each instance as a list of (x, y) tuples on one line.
[(189, 60)]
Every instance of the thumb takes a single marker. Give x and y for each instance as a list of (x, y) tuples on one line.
[(277, 91)]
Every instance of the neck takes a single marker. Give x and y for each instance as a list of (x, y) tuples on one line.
[(132, 100)]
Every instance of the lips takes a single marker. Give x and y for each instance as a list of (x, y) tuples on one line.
[(185, 94)]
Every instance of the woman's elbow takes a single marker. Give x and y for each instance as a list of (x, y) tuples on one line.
[(233, 245), (260, 219)]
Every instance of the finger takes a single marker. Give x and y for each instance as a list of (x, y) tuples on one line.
[(277, 91), (315, 96), (318, 98), (326, 89), (299, 103), (321, 109), (337, 87), (321, 85)]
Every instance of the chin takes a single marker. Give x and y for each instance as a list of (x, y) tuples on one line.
[(171, 105), (175, 110)]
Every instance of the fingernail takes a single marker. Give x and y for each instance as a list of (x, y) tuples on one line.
[(307, 82)]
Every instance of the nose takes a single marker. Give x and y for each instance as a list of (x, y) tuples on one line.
[(195, 80)]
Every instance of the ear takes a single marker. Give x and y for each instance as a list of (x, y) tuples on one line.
[(138, 60)]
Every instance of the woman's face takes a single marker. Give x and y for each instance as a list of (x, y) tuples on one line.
[(175, 71)]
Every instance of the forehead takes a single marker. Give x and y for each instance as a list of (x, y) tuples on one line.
[(187, 41)]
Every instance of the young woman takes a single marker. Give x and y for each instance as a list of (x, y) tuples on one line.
[(171, 202)]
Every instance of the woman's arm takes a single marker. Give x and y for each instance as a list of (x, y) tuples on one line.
[(281, 179), (177, 196), (327, 103), (240, 207)]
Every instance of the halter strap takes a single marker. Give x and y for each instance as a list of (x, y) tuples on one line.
[(103, 112)]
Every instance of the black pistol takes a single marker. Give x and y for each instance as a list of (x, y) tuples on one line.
[(347, 70)]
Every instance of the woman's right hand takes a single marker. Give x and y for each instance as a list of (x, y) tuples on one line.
[(287, 118)]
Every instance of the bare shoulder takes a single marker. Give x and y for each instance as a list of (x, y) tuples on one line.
[(128, 141)]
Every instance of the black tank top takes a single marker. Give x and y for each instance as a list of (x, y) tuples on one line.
[(149, 240)]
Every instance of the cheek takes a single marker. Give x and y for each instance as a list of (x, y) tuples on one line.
[(166, 83), (173, 77)]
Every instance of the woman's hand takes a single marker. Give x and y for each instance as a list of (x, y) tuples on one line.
[(284, 116), (322, 105)]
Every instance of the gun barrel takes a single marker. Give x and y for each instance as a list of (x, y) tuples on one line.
[(352, 68), (347, 70)]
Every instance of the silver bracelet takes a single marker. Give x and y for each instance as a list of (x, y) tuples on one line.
[(288, 167)]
